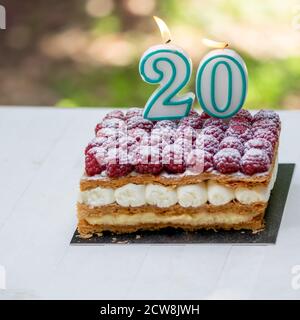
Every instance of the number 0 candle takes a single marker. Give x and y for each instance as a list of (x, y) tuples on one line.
[(171, 68), (221, 82)]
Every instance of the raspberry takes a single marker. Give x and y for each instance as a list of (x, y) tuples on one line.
[(111, 144), (133, 112), (100, 148), (199, 161), (266, 124), (240, 121), (232, 142), (110, 123), (92, 166), (266, 134), (149, 160), (105, 132), (113, 123), (115, 169), (186, 145), (193, 113), (243, 115), (216, 123), (120, 154), (173, 167), (98, 127), (163, 132), (267, 114), (115, 140), (150, 168), (227, 160), (138, 134), (126, 142), (110, 133), (115, 114), (255, 161), (239, 131), (154, 139), (213, 131), (165, 124), (173, 159), (139, 122), (260, 143), (207, 143), (193, 121), (204, 116), (162, 136), (186, 132), (96, 142)]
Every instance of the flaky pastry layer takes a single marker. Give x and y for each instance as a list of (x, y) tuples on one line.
[(119, 219), (85, 229), (234, 207)]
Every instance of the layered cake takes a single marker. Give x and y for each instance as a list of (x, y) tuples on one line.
[(194, 173)]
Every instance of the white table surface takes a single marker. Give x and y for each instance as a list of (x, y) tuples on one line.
[(41, 161)]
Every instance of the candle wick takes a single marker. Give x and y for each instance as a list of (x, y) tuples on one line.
[(168, 41)]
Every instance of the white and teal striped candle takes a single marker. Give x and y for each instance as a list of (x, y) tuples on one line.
[(221, 81), (170, 67)]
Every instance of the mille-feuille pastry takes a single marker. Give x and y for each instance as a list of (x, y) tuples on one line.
[(196, 173)]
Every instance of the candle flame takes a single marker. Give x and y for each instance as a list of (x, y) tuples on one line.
[(164, 30), (215, 44)]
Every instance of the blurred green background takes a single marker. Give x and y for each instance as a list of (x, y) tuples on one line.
[(86, 52)]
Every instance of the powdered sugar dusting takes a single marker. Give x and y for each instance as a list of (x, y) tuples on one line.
[(128, 140)]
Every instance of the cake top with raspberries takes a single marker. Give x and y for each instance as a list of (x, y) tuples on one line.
[(127, 144)]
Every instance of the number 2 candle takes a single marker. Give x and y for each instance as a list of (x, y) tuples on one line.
[(221, 81), (171, 68)]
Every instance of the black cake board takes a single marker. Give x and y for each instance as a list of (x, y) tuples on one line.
[(273, 218)]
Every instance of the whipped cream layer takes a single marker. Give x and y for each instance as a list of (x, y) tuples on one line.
[(191, 195)]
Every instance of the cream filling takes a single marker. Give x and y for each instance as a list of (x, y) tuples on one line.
[(149, 217), (130, 195), (192, 195)]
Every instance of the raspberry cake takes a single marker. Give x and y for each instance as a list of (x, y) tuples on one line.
[(194, 173)]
